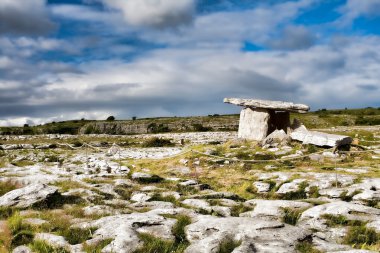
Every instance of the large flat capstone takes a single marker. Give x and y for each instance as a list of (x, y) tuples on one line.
[(268, 104)]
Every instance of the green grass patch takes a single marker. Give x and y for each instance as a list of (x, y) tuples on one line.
[(348, 197), (21, 233), (306, 247), (361, 236), (240, 208), (39, 246), (77, 235), (159, 197), (157, 245)]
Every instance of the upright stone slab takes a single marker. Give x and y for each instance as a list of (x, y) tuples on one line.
[(254, 124)]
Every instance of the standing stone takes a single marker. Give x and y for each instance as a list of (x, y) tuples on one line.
[(254, 124)]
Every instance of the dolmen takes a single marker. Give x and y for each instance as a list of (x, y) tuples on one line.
[(260, 118)]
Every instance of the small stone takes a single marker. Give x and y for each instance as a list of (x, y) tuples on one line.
[(261, 186), (140, 197), (22, 249)]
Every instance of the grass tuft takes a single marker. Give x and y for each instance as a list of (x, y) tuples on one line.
[(238, 209), (306, 247), (291, 215), (228, 245), (361, 236), (96, 248)]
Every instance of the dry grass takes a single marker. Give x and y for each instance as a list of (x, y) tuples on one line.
[(5, 237), (8, 185)]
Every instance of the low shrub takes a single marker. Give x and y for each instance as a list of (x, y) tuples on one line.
[(157, 142)]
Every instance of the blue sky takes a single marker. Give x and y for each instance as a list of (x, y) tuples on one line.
[(70, 59)]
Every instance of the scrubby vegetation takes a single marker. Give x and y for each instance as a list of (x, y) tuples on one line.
[(319, 119), (157, 142)]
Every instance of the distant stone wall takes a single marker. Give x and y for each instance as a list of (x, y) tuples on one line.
[(160, 126)]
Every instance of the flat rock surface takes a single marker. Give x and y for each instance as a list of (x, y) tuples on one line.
[(268, 104), (255, 235), (27, 196)]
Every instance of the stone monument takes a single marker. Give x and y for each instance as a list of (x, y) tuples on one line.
[(259, 118)]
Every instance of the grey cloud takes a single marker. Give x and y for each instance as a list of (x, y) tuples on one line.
[(368, 87), (24, 17), (293, 38)]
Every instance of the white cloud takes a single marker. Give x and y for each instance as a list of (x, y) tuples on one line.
[(155, 13), (356, 8), (231, 27)]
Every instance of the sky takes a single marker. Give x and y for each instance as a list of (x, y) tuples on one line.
[(73, 59)]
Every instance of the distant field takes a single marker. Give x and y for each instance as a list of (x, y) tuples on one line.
[(319, 119)]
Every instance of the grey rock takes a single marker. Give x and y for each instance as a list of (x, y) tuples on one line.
[(318, 138), (261, 186), (276, 137), (123, 230), (290, 187), (53, 240), (268, 104), (98, 210), (206, 234), (312, 218), (22, 249), (28, 196), (254, 124), (141, 196), (198, 203), (272, 209)]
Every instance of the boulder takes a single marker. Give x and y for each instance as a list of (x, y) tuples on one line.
[(123, 230), (28, 196), (319, 139), (276, 137)]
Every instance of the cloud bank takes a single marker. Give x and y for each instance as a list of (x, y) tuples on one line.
[(24, 17)]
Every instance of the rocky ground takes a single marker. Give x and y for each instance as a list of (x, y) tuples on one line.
[(189, 192)]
